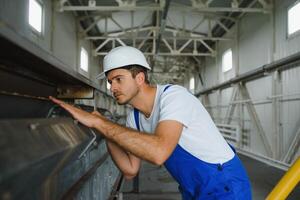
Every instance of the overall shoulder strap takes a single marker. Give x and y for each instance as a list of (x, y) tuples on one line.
[(136, 112), (167, 87), (136, 118)]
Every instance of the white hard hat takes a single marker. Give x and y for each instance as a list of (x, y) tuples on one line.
[(123, 56)]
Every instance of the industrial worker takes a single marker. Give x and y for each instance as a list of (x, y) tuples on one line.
[(169, 126)]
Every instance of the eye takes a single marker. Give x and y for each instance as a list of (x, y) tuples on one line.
[(118, 80)]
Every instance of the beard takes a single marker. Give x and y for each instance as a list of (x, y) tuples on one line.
[(126, 98)]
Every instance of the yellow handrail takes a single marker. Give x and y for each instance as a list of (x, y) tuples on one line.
[(287, 183)]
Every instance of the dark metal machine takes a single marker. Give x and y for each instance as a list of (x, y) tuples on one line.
[(44, 153)]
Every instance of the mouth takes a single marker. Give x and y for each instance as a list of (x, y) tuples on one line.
[(116, 95)]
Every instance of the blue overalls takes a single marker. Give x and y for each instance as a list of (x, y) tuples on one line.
[(199, 180)]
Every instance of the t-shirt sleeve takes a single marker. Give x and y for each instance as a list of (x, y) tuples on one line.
[(176, 104)]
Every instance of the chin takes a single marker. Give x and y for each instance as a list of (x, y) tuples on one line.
[(120, 102)]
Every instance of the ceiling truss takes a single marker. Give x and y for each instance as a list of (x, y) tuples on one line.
[(169, 45)]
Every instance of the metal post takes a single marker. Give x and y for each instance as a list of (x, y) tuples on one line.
[(294, 147), (219, 108), (276, 115), (255, 120), (231, 108)]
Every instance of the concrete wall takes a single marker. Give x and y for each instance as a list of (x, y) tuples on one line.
[(259, 42)]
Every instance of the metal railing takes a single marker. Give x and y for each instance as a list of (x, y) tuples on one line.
[(287, 183), (231, 133)]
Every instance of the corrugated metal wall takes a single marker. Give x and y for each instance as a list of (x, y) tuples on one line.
[(252, 48)]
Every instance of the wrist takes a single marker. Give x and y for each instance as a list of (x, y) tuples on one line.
[(96, 122)]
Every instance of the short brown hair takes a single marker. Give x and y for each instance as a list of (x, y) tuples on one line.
[(135, 70)]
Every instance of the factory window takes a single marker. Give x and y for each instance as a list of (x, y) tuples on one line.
[(36, 15), (84, 60), (192, 85), (293, 18), (227, 60), (107, 85)]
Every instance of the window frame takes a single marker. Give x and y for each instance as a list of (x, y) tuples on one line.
[(194, 84), (296, 33), (33, 29), (82, 70), (223, 55), (107, 86)]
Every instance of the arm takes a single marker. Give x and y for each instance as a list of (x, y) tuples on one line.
[(154, 148), (126, 162)]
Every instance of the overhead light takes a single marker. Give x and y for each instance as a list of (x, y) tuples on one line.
[(234, 4), (92, 3)]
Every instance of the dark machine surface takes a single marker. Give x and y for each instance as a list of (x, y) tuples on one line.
[(44, 153)]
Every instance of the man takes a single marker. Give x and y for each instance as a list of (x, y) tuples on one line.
[(167, 126)]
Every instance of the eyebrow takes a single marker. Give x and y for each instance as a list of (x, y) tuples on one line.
[(117, 76)]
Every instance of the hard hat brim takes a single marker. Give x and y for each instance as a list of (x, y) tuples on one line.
[(100, 76)]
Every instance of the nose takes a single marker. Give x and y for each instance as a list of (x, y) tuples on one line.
[(113, 87)]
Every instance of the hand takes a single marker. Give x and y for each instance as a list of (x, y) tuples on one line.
[(86, 118), (96, 113)]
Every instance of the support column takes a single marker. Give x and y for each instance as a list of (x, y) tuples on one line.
[(276, 115), (255, 119)]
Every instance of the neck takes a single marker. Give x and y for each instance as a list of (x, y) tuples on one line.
[(144, 100)]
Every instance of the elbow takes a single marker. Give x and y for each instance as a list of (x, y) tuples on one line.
[(130, 173), (129, 176), (159, 160)]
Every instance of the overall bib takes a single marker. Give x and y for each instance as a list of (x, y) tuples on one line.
[(199, 180)]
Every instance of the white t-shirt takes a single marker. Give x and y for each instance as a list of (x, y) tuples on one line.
[(200, 137)]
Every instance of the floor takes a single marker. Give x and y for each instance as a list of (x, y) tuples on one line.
[(155, 182)]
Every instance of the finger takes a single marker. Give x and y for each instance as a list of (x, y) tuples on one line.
[(96, 113), (64, 105), (56, 100)]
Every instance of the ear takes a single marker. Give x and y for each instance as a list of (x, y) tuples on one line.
[(140, 78)]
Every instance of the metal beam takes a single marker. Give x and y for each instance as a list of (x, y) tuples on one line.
[(92, 25), (158, 7), (208, 47), (166, 54), (294, 147), (282, 64), (116, 23), (162, 24), (143, 42), (230, 109), (222, 25), (223, 9), (140, 41), (110, 8), (276, 115), (185, 45), (195, 35), (152, 37), (128, 30), (263, 3), (255, 119)]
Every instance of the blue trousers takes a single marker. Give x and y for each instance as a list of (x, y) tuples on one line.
[(199, 180)]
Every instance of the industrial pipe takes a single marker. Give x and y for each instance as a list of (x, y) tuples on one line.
[(282, 64)]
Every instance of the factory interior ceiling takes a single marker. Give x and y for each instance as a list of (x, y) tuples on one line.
[(172, 34)]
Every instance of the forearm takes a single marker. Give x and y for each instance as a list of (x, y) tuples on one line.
[(144, 146), (127, 164)]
